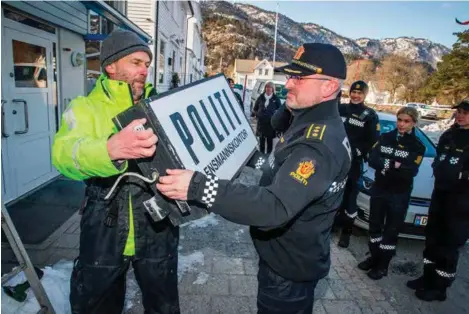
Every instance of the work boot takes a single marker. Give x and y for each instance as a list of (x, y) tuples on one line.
[(377, 273), (417, 284), (426, 280), (344, 240), (431, 294), (367, 264)]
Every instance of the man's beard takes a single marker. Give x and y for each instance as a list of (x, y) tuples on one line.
[(137, 92)]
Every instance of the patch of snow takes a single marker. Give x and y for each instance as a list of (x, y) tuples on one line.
[(189, 262), (209, 220), (201, 279), (56, 283), (434, 130), (131, 291)]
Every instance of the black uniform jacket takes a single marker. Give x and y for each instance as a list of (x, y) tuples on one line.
[(362, 127), (406, 149), (451, 164), (292, 212)]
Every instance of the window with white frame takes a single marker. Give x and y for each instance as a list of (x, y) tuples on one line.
[(266, 72), (96, 25), (259, 71), (161, 62)]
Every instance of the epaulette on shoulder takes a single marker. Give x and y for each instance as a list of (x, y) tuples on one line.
[(315, 131)]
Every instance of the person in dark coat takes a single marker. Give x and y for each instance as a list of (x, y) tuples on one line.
[(448, 219), (264, 108), (238, 97), (396, 158)]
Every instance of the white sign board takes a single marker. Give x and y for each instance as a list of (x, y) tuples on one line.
[(207, 127)]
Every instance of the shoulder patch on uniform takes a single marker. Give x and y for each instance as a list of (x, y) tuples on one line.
[(304, 170), (378, 127), (315, 131)]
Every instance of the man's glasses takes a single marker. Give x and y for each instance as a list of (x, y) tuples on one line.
[(297, 78)]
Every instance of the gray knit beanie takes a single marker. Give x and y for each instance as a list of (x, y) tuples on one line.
[(121, 43)]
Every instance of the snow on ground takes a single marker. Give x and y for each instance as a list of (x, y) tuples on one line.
[(434, 130), (209, 220), (201, 279), (56, 280), (189, 262)]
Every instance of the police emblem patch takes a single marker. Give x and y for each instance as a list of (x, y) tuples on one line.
[(304, 171), (418, 160)]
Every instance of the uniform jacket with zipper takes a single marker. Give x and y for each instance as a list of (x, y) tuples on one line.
[(362, 127), (391, 147), (451, 164), (292, 211)]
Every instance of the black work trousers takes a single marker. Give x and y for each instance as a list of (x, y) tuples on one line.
[(446, 232), (277, 295), (388, 210), (98, 280)]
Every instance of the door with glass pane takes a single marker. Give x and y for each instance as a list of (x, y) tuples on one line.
[(28, 121)]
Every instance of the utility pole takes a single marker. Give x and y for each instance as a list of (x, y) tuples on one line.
[(275, 36)]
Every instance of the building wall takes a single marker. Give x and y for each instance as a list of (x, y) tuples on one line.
[(68, 14), (143, 14), (195, 68), (69, 73), (171, 31)]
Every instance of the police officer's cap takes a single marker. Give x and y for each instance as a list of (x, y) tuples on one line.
[(463, 105), (359, 85), (317, 58)]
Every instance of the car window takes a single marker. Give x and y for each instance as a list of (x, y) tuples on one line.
[(430, 151), (281, 91)]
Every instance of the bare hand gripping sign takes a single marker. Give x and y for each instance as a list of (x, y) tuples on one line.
[(200, 127)]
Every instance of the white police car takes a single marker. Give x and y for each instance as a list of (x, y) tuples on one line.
[(417, 213)]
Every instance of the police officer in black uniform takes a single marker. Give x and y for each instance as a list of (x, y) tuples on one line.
[(362, 127), (396, 158), (292, 212), (448, 221)]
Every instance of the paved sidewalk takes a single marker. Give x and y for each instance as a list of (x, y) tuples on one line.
[(219, 275)]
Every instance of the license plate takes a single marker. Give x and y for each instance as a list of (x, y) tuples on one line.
[(420, 220)]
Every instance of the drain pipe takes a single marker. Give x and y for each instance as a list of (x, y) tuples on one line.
[(187, 35), (157, 52)]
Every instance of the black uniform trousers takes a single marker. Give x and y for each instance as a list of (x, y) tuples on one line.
[(446, 232), (277, 295), (98, 280), (262, 142), (348, 208), (387, 215)]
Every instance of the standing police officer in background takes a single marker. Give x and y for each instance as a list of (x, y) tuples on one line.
[(362, 126), (448, 221), (292, 212), (396, 158)]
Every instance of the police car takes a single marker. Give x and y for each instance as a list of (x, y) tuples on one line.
[(417, 213)]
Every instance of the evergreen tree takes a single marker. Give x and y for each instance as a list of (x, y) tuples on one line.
[(450, 83)]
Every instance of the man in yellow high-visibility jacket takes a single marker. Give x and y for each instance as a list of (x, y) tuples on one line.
[(116, 232)]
